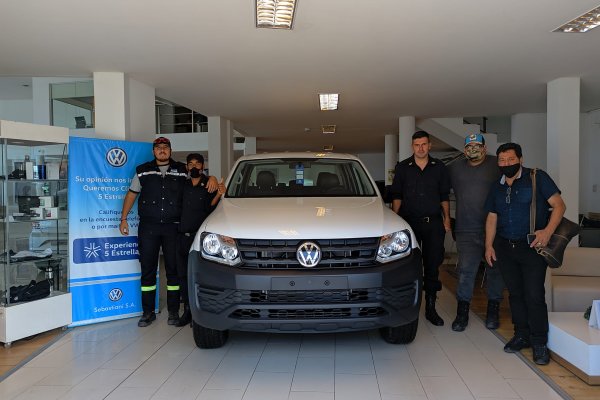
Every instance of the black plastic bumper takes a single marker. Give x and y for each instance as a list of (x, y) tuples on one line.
[(223, 297)]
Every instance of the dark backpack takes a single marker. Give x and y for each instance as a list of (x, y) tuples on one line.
[(32, 291)]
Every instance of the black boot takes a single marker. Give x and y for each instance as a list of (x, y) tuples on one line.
[(186, 317), (462, 316), (173, 318), (492, 319), (430, 313)]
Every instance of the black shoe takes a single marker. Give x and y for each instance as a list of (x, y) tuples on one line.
[(541, 355), (185, 318), (517, 343), (492, 319), (173, 318), (146, 319), (462, 317), (430, 313)]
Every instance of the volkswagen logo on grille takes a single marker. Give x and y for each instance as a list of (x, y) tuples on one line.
[(115, 294), (116, 157), (308, 254)]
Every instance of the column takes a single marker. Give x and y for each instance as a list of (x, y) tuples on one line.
[(124, 108), (563, 139), (406, 129), (391, 157), (249, 145), (220, 146)]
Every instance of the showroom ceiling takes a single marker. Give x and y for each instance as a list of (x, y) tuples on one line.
[(386, 58)]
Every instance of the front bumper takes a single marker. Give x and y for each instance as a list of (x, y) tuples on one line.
[(223, 297)]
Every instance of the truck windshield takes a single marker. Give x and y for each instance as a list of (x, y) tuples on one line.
[(305, 177)]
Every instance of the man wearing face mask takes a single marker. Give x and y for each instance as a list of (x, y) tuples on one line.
[(471, 179), (197, 204), (508, 248)]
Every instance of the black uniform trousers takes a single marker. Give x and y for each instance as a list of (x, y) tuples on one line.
[(184, 242), (151, 238), (430, 234), (524, 272)]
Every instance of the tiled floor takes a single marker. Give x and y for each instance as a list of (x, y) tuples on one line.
[(118, 360)]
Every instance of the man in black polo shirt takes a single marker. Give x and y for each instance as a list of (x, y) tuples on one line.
[(508, 248), (420, 195), (196, 205)]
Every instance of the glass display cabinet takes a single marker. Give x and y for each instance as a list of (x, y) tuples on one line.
[(33, 230)]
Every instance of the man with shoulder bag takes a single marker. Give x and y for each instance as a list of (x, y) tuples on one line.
[(510, 246)]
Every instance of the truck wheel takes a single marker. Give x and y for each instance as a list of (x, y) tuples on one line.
[(207, 338), (400, 334)]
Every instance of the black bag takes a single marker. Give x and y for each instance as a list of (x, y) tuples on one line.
[(554, 251), (33, 291)]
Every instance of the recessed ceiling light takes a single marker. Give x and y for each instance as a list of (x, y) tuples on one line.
[(275, 14), (583, 23), (328, 101), (328, 129), (328, 147)]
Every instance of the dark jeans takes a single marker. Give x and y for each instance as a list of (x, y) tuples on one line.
[(183, 250), (471, 247), (151, 238), (430, 235), (524, 272)]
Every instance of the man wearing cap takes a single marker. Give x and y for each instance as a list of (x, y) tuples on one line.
[(471, 179), (420, 195), (159, 183), (197, 204)]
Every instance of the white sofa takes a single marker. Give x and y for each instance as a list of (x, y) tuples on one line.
[(573, 286)]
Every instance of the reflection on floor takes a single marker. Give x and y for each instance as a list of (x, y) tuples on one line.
[(117, 360)]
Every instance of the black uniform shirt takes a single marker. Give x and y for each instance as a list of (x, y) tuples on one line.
[(196, 205), (421, 191)]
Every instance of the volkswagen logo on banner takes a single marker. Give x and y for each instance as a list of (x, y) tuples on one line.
[(116, 157), (115, 294), (308, 254)]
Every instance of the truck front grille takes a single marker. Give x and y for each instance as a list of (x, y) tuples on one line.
[(309, 313), (281, 254)]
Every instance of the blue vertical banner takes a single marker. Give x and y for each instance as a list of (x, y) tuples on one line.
[(104, 271)]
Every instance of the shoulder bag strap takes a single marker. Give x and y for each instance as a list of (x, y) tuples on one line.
[(533, 202)]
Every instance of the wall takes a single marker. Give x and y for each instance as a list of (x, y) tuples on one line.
[(589, 161), (17, 110), (375, 163), (529, 130)]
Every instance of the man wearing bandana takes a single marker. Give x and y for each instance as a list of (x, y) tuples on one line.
[(471, 179), (197, 204), (508, 247)]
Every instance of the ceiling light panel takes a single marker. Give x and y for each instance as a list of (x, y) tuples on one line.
[(328, 101), (275, 14), (328, 129), (583, 23)]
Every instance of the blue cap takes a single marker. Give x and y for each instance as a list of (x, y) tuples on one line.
[(475, 138)]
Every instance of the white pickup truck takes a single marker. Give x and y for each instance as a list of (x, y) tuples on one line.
[(302, 242)]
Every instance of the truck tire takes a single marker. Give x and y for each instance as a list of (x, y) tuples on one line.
[(207, 338), (400, 334)]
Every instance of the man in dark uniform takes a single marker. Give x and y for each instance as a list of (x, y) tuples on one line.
[(159, 183), (508, 248), (420, 195), (197, 204)]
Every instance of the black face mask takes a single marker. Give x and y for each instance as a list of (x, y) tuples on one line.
[(194, 173), (510, 170)]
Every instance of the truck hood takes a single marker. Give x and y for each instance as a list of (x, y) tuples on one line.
[(303, 218)]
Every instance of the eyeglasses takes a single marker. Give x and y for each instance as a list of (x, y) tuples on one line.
[(508, 191)]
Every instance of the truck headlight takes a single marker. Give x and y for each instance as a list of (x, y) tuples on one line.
[(394, 246), (220, 248)]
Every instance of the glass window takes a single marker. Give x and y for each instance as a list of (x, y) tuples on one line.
[(72, 104)]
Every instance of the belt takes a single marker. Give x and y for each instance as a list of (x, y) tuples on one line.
[(425, 220), (515, 242)]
